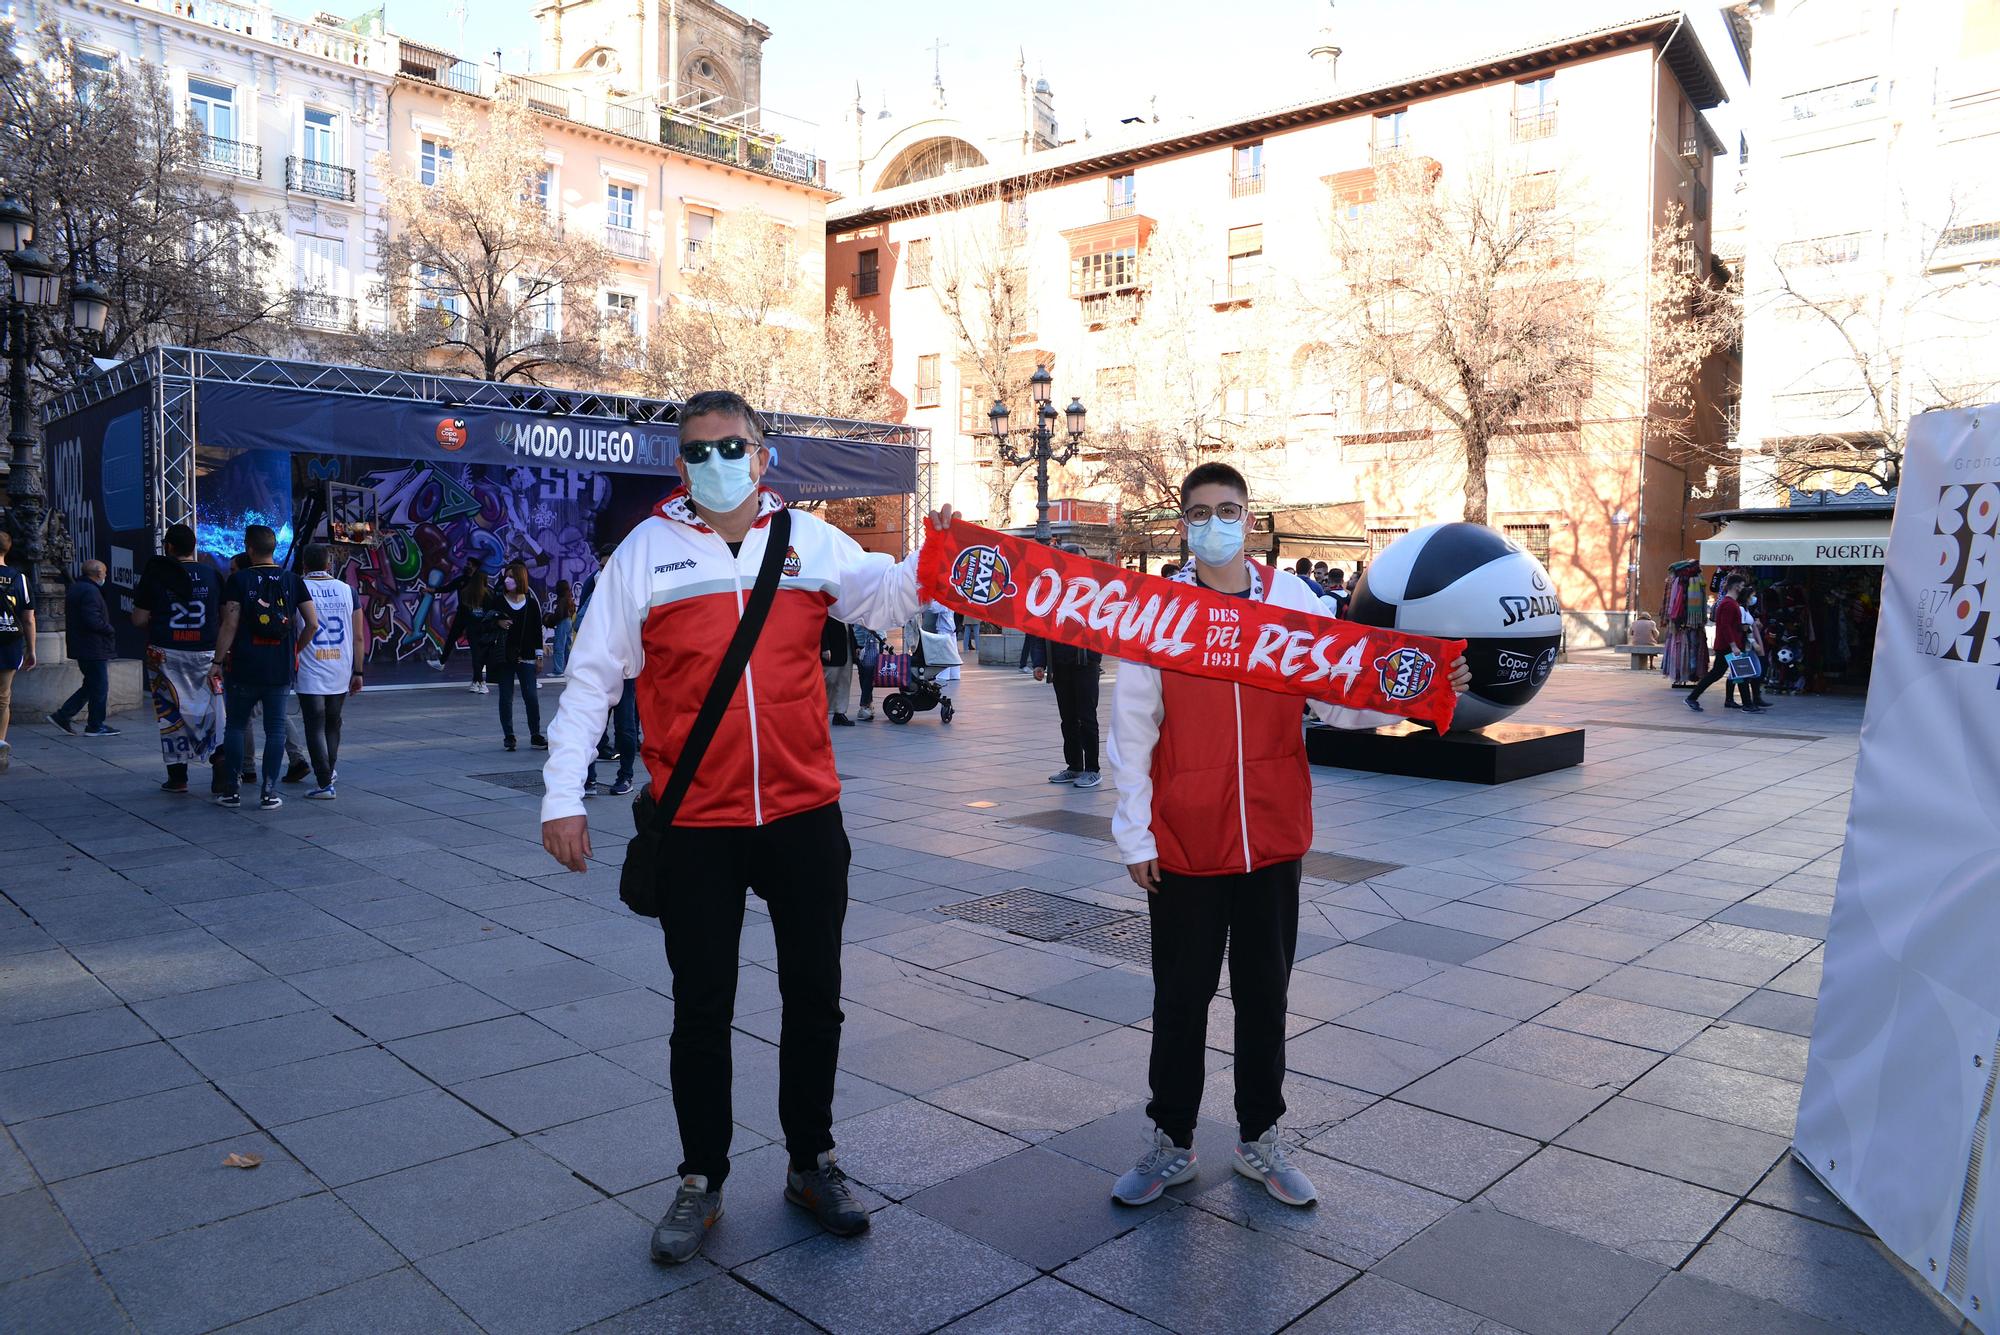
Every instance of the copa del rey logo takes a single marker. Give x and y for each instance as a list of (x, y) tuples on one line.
[(981, 575)]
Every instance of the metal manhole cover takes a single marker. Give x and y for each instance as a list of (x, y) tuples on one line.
[(1129, 938), (1034, 914), (526, 780)]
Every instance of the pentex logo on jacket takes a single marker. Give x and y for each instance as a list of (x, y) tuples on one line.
[(981, 575), (1405, 673)]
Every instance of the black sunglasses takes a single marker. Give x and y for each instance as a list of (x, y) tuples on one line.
[(729, 447)]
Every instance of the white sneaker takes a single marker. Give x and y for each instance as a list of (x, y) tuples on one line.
[(1266, 1160), (865, 714), (1163, 1165), (476, 689), (1090, 778)]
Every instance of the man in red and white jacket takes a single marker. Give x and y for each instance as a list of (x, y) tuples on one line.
[(1214, 819), (763, 813)]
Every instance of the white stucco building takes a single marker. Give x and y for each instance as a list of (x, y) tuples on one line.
[(293, 110)]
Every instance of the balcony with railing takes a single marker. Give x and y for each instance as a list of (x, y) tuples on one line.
[(323, 310), (1248, 181), (303, 176), (1532, 123), (546, 98), (1834, 99), (1389, 152), (867, 282), (1120, 208), (627, 243), (334, 43), (232, 157)]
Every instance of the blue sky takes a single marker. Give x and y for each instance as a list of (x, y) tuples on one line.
[(1104, 58)]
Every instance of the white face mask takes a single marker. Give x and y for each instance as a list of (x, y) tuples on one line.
[(1216, 541), (720, 485)]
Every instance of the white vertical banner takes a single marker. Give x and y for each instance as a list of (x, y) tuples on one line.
[(1898, 1114)]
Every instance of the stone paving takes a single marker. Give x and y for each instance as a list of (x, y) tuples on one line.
[(1546, 1042)]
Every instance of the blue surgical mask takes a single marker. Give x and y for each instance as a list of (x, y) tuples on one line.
[(1216, 541), (717, 484)]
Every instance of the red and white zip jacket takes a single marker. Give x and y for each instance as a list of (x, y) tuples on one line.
[(664, 609), (1212, 776)]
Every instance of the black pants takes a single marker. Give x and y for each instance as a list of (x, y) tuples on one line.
[(93, 695), (322, 716), (1256, 916), (522, 674), (798, 867), (1717, 670), (866, 671), (1076, 701)]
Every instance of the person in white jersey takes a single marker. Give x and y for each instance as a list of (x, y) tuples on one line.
[(329, 668)]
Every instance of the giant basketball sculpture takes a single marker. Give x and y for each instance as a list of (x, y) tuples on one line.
[(1464, 581)]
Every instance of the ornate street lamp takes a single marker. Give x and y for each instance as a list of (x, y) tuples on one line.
[(35, 290), (1042, 449)]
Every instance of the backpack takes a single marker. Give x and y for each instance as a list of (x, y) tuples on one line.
[(268, 614)]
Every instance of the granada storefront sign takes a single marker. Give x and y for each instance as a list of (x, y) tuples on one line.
[(1178, 627)]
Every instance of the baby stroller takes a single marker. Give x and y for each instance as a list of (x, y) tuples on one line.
[(919, 692)]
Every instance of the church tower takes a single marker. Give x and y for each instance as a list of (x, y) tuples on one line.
[(692, 53)]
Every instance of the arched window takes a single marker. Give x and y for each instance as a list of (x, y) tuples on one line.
[(929, 159)]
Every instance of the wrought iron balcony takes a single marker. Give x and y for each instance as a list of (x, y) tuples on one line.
[(867, 282), (232, 156), (1531, 123), (627, 243), (322, 310), (1242, 183), (307, 177), (1121, 208)]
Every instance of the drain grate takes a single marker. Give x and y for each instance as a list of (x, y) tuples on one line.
[(1035, 914), (1130, 938), (526, 780)]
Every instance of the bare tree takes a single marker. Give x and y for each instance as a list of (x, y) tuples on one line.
[(1914, 336), (978, 258), (1488, 309), (114, 174), (478, 273), (748, 320)]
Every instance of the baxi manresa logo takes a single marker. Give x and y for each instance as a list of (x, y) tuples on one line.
[(791, 566), (1405, 673), (981, 576), (451, 433)]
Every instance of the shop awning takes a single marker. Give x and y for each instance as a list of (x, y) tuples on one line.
[(1812, 540)]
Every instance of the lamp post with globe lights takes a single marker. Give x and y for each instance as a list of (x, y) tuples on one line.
[(1042, 449), (35, 290)]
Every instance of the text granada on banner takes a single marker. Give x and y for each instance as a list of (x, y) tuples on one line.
[(1185, 628)]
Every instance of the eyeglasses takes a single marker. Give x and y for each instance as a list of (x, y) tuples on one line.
[(1228, 512), (729, 447)]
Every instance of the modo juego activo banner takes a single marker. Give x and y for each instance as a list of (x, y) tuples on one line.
[(100, 476), (1898, 1113)]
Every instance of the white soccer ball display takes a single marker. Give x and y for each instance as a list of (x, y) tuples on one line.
[(1466, 582)]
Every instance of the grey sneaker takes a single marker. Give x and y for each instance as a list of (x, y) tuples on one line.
[(1267, 1160), (1063, 776), (1163, 1165), (826, 1193), (1090, 778), (678, 1236)]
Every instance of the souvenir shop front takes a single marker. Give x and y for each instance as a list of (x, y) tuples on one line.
[(1815, 574)]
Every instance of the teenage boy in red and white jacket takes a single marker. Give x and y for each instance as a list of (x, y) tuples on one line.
[(1214, 819), (763, 813)]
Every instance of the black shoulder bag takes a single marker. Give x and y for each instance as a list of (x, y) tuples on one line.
[(639, 884)]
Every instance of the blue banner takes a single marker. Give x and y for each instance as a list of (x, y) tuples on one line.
[(265, 417), (100, 476)]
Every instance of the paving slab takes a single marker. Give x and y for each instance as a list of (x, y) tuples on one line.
[(378, 1138), (1040, 1208), (400, 1302), (1827, 1272), (1183, 1271), (719, 1305), (298, 1090), (110, 1134), (1503, 1098), (904, 1147), (1372, 1305), (908, 1273), (73, 1300), (1443, 1154), (1049, 1307), (1712, 1154), (537, 1097), (1632, 1211), (1360, 1218), (1537, 1279), (118, 1207), (1683, 1303), (447, 1203)]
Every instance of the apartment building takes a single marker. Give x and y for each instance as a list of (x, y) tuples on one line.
[(1872, 257), (1235, 217), (292, 113)]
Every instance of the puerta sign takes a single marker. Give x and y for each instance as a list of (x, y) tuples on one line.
[(1851, 551), (246, 416)]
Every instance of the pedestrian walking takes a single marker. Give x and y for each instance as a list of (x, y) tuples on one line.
[(742, 794), (329, 669), (561, 621), (516, 619), (867, 653), (92, 643), (1213, 819), (1729, 622), (17, 638), (1075, 674), (179, 605), (267, 613), (297, 763), (1749, 690), (836, 656)]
